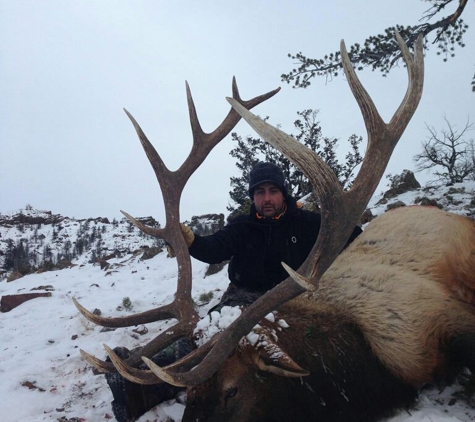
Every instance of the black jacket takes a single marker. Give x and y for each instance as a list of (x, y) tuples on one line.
[(257, 246)]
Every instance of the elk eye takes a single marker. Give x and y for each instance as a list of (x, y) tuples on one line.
[(231, 392)]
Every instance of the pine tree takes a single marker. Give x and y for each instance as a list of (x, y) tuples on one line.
[(9, 261), (250, 151)]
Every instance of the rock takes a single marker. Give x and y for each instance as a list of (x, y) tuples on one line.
[(45, 287), (367, 217), (405, 182), (32, 386), (15, 275), (9, 302), (149, 221), (427, 202), (394, 205), (149, 253), (104, 264), (64, 263), (310, 203), (215, 268), (42, 217)]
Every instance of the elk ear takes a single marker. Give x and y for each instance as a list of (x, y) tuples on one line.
[(273, 359)]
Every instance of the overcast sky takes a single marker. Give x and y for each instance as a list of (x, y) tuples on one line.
[(68, 68)]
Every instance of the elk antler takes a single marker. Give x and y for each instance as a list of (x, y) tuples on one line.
[(340, 210), (171, 184)]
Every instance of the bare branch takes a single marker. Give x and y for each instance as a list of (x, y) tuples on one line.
[(451, 152)]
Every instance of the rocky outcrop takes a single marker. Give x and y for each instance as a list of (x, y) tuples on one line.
[(402, 183), (41, 217), (149, 221)]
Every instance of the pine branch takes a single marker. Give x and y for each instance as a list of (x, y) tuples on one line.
[(381, 52)]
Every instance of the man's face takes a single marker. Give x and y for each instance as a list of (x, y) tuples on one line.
[(268, 199)]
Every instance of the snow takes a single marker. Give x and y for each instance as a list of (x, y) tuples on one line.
[(41, 338), (43, 376), (215, 322)]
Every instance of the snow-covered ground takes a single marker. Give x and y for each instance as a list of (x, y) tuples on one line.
[(44, 378)]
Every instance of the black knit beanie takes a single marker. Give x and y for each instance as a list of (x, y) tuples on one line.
[(266, 173)]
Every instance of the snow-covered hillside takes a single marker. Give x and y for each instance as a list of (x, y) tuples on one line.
[(44, 378), (41, 237)]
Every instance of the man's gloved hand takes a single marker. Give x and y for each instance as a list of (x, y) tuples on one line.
[(187, 234)]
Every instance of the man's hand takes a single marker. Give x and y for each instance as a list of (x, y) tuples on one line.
[(187, 234)]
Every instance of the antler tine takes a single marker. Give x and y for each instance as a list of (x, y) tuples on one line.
[(152, 154), (340, 210), (164, 312), (139, 376), (236, 89), (415, 73), (100, 365), (371, 117)]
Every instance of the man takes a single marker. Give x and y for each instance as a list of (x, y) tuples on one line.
[(275, 230)]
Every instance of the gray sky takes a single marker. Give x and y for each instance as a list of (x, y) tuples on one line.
[(68, 68)]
